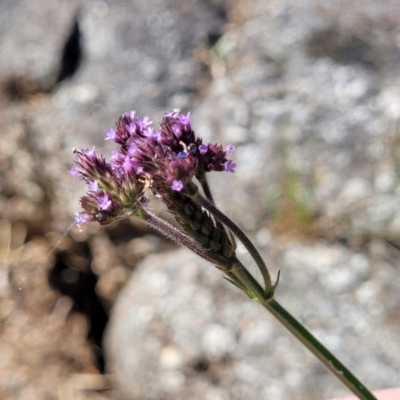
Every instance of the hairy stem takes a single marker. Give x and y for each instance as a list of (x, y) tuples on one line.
[(180, 237)]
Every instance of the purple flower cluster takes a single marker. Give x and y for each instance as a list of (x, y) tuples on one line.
[(113, 192), (162, 160)]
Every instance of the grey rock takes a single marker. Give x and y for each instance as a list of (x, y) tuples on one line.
[(179, 331)]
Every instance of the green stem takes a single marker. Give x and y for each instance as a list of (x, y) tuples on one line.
[(301, 333), (319, 350), (202, 178)]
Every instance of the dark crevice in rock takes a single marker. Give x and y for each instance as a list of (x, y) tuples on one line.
[(220, 11), (212, 369), (72, 53), (20, 87), (72, 276), (343, 48)]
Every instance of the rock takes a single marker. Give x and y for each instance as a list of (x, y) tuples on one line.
[(178, 330)]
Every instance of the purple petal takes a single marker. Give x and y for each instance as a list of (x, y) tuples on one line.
[(91, 153), (104, 202), (128, 165), (185, 120), (177, 185), (115, 160), (176, 129), (131, 128), (146, 121), (230, 166), (203, 149), (133, 150), (82, 218), (130, 114), (230, 148), (93, 186), (153, 134), (74, 171), (110, 134)]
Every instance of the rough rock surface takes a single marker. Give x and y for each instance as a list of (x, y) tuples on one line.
[(179, 331), (312, 113)]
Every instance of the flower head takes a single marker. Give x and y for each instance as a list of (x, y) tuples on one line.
[(214, 158), (177, 134), (164, 160), (176, 131), (89, 166), (114, 189)]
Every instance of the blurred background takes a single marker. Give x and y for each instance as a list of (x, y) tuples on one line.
[(308, 92)]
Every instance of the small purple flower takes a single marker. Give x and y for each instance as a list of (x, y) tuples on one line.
[(230, 166), (110, 134), (175, 128), (130, 114), (131, 128), (153, 134), (133, 150), (116, 160), (203, 149), (185, 121), (74, 171), (230, 148), (82, 218), (128, 165), (177, 185), (104, 202), (93, 186), (145, 122)]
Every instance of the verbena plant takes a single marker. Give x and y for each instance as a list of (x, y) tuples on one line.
[(172, 164)]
